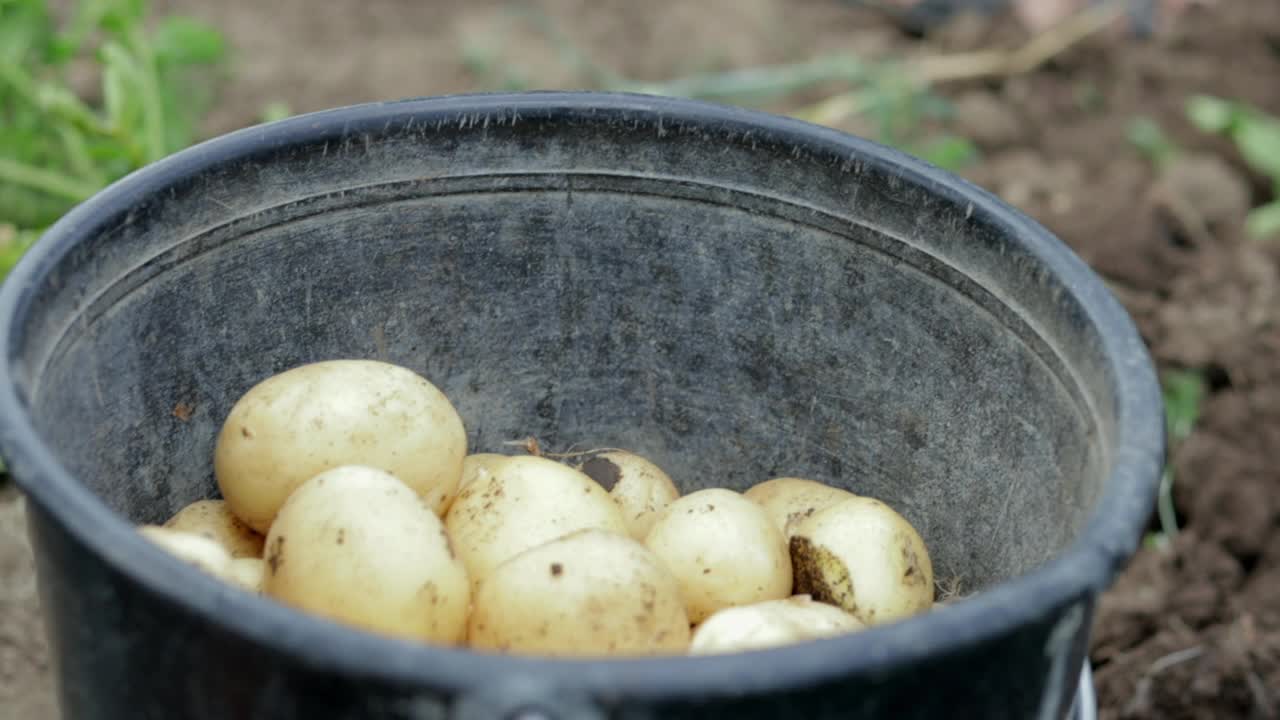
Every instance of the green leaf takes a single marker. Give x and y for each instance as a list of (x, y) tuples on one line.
[(118, 17), (13, 243), (1264, 222), (949, 152), (275, 111), (25, 29), (115, 94), (183, 41), (1155, 541), (1258, 138), (1210, 114), (1149, 138), (1184, 390)]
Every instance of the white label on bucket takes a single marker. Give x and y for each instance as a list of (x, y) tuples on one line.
[(1058, 649)]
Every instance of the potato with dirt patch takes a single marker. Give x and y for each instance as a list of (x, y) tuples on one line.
[(357, 545), (788, 500), (315, 417), (525, 502), (723, 550), (641, 488), (589, 593), (214, 520), (770, 624), (864, 557)]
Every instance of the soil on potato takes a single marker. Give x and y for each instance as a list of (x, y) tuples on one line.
[(1192, 631)]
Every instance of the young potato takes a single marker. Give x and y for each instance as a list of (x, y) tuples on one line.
[(247, 573), (723, 550), (589, 593), (356, 545), (769, 624), (301, 422), (863, 556), (525, 502), (198, 550), (639, 487), (478, 466), (788, 500), (214, 520)]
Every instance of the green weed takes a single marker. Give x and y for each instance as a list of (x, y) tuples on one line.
[(57, 148), (1257, 137), (1184, 392), (1150, 139)]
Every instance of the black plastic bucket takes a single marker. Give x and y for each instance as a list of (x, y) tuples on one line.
[(734, 294)]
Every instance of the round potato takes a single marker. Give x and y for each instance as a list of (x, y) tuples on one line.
[(478, 466), (590, 593), (301, 422), (769, 624), (198, 550), (356, 545), (639, 487), (789, 500), (861, 555), (723, 550), (214, 520), (525, 502), (247, 573)]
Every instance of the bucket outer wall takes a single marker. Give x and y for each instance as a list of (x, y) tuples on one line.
[(137, 635)]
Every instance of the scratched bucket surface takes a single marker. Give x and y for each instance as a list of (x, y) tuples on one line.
[(732, 294)]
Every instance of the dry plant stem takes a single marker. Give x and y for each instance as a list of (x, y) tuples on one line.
[(581, 453), (937, 69), (1036, 52), (530, 445)]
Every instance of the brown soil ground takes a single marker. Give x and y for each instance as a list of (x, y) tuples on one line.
[(1192, 631)]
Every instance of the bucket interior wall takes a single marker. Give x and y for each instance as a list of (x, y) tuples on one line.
[(735, 314)]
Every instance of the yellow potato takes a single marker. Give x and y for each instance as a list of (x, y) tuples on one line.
[(639, 487), (214, 520), (590, 593), (723, 550), (863, 556), (356, 545), (769, 624), (304, 421), (525, 502), (198, 550), (788, 500), (247, 573), (478, 466)]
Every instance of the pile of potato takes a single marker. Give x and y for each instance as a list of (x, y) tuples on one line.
[(348, 493)]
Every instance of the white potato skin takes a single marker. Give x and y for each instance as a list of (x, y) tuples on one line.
[(198, 550), (788, 500), (478, 466), (356, 545), (590, 593), (723, 550), (641, 488), (864, 557), (214, 520), (770, 624), (525, 502), (247, 573), (315, 417)]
